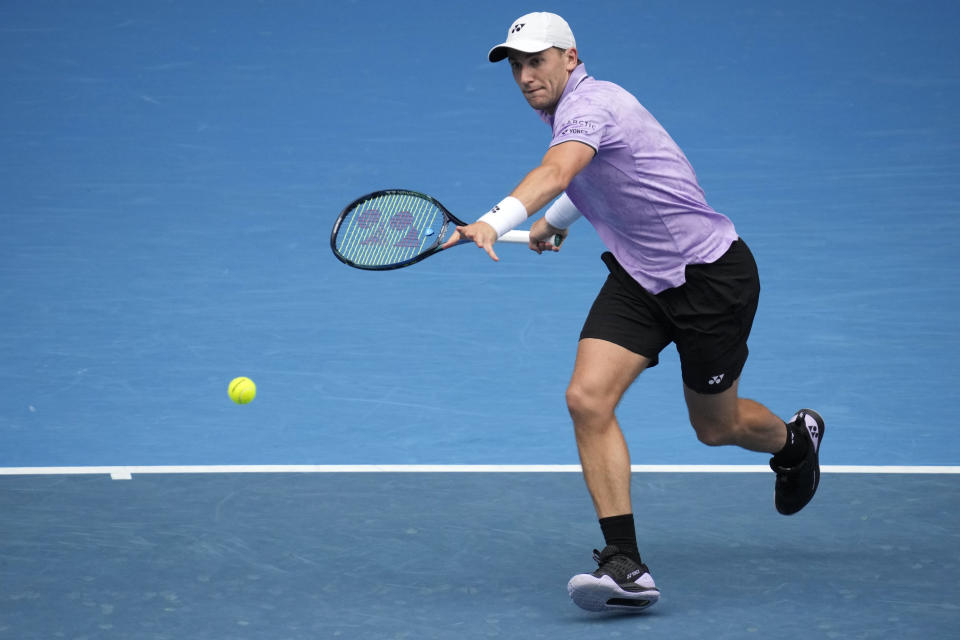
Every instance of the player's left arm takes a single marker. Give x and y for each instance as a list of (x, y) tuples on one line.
[(541, 185)]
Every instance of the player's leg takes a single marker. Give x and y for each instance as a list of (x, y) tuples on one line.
[(621, 337), (727, 419), (714, 313), (601, 375)]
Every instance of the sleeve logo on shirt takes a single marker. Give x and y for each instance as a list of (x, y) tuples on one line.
[(577, 127)]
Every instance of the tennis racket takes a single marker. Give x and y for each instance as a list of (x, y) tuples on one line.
[(397, 228)]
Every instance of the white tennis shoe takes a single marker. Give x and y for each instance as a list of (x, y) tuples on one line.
[(619, 584)]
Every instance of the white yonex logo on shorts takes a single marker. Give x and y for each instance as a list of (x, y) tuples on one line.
[(716, 379)]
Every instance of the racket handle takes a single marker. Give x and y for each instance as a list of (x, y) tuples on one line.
[(523, 237)]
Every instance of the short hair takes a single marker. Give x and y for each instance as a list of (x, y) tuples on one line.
[(562, 50)]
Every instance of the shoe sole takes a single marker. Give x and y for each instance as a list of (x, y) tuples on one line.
[(603, 594)]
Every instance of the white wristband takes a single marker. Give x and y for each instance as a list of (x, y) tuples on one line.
[(507, 214), (562, 213)]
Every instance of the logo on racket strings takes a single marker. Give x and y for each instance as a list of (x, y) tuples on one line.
[(400, 223)]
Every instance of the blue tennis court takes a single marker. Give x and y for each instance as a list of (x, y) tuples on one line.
[(171, 172)]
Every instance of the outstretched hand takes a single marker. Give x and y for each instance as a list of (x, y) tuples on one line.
[(481, 233)]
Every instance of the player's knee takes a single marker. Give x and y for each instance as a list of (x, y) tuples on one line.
[(714, 432), (713, 438), (586, 406), (578, 401)]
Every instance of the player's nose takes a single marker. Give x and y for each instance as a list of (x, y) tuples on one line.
[(526, 75)]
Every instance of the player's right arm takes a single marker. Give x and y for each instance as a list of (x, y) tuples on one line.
[(559, 165), (541, 185)]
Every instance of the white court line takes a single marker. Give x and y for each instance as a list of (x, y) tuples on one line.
[(127, 472)]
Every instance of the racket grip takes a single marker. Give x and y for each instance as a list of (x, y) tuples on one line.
[(515, 236), (523, 237)]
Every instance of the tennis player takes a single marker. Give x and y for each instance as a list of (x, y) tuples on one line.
[(679, 273)]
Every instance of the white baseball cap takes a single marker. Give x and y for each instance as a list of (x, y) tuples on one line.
[(534, 32)]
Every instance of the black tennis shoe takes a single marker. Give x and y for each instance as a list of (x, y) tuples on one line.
[(619, 584), (796, 484)]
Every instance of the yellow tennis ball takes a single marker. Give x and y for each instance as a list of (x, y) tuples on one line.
[(242, 390)]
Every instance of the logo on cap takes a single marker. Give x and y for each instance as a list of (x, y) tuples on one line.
[(517, 27)]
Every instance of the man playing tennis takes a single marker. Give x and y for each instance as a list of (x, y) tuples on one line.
[(678, 273)]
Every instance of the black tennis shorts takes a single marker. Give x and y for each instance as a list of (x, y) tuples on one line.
[(708, 317)]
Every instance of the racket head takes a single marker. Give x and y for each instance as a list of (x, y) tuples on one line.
[(389, 229)]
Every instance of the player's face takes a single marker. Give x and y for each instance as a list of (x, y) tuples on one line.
[(542, 76)]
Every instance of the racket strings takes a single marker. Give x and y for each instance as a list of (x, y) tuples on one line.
[(389, 229)]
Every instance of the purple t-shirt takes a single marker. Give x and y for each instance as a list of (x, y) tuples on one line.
[(639, 191)]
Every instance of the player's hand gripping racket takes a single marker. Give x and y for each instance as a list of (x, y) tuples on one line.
[(396, 228)]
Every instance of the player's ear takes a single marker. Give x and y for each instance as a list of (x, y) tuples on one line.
[(570, 58)]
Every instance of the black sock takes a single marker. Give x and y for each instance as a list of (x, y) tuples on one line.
[(620, 532), (796, 448)]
